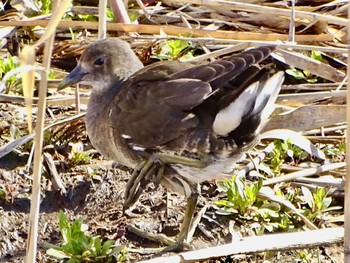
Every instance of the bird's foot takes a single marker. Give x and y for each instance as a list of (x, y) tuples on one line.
[(181, 241), (175, 248), (171, 244)]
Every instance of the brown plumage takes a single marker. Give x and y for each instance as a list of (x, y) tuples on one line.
[(175, 123)]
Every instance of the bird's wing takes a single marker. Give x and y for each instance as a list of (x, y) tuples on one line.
[(155, 104), (155, 110)]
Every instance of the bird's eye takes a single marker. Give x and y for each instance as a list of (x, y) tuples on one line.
[(99, 62)]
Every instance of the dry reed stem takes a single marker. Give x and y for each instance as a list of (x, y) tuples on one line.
[(102, 21), (174, 30), (347, 177), (256, 244), (303, 173), (49, 37), (39, 136), (269, 10)]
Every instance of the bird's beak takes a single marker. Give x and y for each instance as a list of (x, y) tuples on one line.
[(72, 78)]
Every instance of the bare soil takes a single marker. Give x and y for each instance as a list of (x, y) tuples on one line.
[(95, 192)]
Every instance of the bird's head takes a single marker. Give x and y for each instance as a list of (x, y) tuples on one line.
[(103, 63)]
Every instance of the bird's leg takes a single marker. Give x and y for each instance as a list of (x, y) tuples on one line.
[(192, 201), (145, 172), (181, 241), (186, 224)]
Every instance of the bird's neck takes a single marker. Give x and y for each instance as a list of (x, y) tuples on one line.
[(101, 97), (102, 94)]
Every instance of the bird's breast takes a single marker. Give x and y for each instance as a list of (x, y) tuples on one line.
[(106, 139)]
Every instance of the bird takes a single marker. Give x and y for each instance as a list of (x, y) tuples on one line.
[(174, 123)]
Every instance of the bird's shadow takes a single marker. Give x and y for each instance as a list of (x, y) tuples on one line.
[(53, 201)]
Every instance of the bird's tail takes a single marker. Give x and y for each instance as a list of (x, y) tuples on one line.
[(244, 117)]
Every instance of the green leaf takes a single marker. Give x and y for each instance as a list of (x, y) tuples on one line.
[(268, 213), (240, 187), (64, 227), (57, 253), (79, 247), (296, 74), (174, 49), (257, 186), (312, 80), (326, 203), (315, 54), (222, 202), (98, 246), (176, 46), (308, 197), (290, 153), (107, 245)]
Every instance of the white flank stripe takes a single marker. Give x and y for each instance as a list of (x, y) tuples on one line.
[(125, 136), (138, 148), (230, 118), (272, 88)]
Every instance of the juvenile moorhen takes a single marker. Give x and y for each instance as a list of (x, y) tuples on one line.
[(175, 123)]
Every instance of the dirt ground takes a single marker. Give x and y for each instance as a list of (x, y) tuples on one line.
[(95, 192)]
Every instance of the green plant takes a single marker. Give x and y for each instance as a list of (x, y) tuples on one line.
[(46, 6), (175, 49), (6, 65), (318, 202), (80, 17), (304, 75), (133, 15), (14, 134), (243, 201), (284, 151), (78, 246), (2, 193), (52, 74), (271, 217), (241, 196), (13, 80), (305, 256), (335, 152), (84, 17), (77, 156)]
